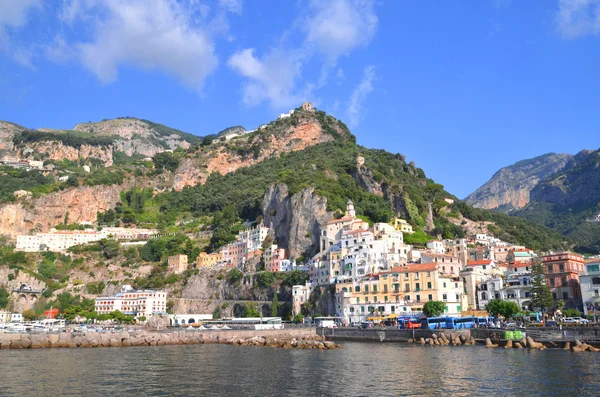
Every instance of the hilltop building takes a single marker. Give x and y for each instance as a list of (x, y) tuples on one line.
[(132, 302)]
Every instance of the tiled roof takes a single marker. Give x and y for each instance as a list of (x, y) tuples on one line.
[(478, 263)]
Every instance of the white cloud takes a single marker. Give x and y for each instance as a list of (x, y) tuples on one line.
[(329, 29), (578, 18), (14, 15), (270, 78), (337, 27), (170, 36), (355, 108)]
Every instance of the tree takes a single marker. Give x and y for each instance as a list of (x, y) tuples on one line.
[(109, 248), (434, 308), (560, 304), (142, 319), (299, 318), (251, 310), (541, 297), (503, 308), (3, 298), (571, 313), (275, 306), (29, 315), (165, 160)]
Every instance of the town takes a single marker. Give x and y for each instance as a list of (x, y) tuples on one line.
[(375, 274)]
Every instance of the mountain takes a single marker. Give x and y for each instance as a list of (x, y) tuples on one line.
[(307, 164), (569, 201), (510, 187)]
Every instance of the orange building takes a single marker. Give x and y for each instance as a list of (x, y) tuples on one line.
[(562, 275)]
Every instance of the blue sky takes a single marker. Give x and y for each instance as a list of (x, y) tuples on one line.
[(460, 87)]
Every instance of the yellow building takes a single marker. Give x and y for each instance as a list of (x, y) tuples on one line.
[(402, 290), (403, 226), (205, 259), (178, 263)]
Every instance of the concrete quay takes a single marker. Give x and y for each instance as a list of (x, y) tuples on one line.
[(297, 338)]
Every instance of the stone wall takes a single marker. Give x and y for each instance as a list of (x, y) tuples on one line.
[(144, 338), (383, 334)]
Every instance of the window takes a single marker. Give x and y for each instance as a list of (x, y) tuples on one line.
[(563, 280), (406, 276), (418, 298), (596, 281), (406, 287), (429, 285), (430, 297), (549, 268), (358, 299), (366, 288), (375, 288), (457, 297), (593, 268), (561, 267), (554, 295), (597, 292), (357, 288), (552, 282), (407, 297), (362, 309), (428, 274), (444, 285), (418, 287), (445, 297), (565, 295), (385, 298), (484, 267)]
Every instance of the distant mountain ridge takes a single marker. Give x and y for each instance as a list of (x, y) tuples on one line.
[(509, 189), (560, 191)]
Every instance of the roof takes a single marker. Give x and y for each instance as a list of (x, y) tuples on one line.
[(357, 232), (343, 219), (414, 267), (479, 263)]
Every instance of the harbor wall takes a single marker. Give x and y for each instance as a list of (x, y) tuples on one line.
[(384, 335), (144, 338)]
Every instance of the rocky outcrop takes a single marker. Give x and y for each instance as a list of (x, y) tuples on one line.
[(58, 151), (135, 136), (510, 187), (40, 215), (296, 219), (193, 171), (7, 132)]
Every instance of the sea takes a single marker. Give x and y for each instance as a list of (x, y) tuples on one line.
[(358, 369)]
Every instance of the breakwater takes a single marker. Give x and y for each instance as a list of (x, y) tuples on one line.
[(386, 334), (296, 338)]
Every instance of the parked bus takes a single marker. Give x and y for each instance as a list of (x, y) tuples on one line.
[(433, 323), (460, 322), (409, 323), (484, 321), (328, 322)]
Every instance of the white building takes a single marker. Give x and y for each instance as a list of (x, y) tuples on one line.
[(135, 303), (62, 240), (8, 317), (300, 295), (590, 287), (254, 237), (436, 246), (515, 288)]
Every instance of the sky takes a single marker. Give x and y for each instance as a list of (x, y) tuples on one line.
[(462, 88)]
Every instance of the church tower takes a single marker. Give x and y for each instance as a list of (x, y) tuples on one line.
[(350, 212)]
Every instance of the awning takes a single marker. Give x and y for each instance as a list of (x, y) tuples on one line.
[(392, 316), (374, 318)]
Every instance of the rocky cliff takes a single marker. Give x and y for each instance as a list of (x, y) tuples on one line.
[(279, 137), (296, 219), (7, 132), (58, 151), (510, 187), (43, 213), (134, 136)]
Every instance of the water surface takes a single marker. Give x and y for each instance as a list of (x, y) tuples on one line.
[(359, 369)]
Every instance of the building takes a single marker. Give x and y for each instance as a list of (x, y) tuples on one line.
[(307, 106), (514, 288), (448, 264), (254, 237), (562, 275), (487, 267), (235, 254), (177, 263), (300, 295), (401, 290), (276, 259), (472, 277), (402, 226), (435, 246), (8, 317), (590, 287), (135, 303), (334, 228), (62, 240), (205, 260)]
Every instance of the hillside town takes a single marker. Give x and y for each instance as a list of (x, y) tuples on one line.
[(372, 270)]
